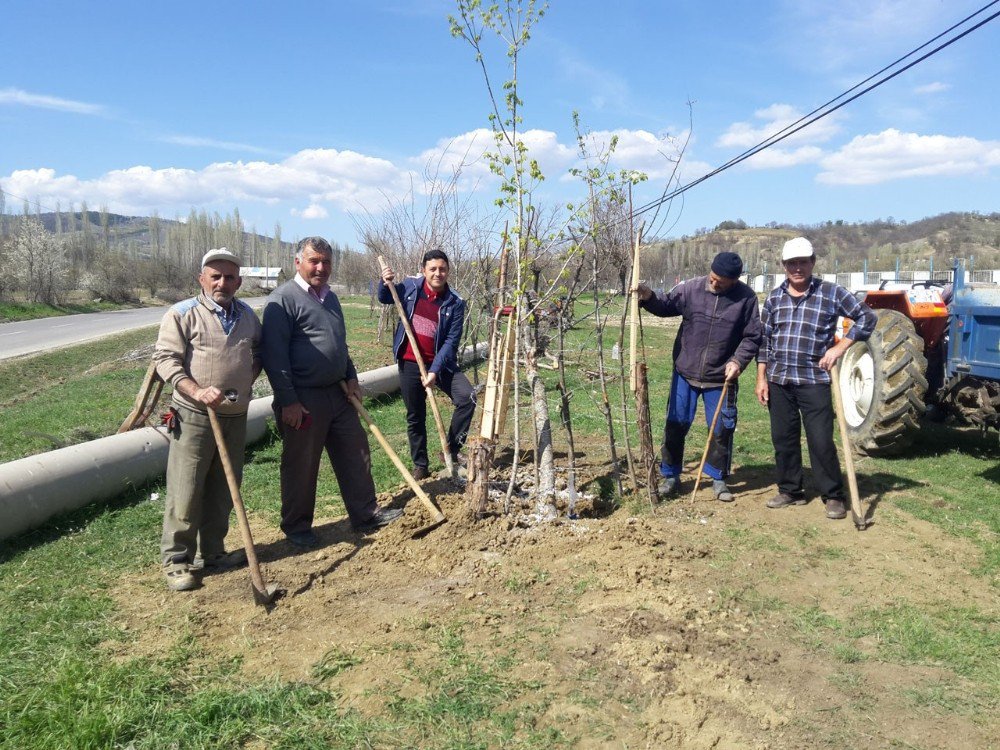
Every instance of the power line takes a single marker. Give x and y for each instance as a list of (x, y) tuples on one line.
[(825, 109)]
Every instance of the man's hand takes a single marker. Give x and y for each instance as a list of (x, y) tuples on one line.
[(430, 380), (354, 390), (387, 275), (293, 415), (643, 292), (762, 390), (835, 352), (210, 396), (732, 370)]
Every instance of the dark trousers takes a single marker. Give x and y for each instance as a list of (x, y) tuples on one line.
[(457, 387), (681, 407), (337, 429), (791, 407)]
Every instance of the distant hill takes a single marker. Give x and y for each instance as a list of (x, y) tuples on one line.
[(881, 244)]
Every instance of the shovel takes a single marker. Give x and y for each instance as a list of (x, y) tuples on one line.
[(860, 522), (262, 593), (708, 443), (437, 517)]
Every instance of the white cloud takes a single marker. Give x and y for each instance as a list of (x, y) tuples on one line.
[(317, 181), (313, 211), (775, 119), (892, 155), (43, 101), (932, 88), (199, 142), (781, 158)]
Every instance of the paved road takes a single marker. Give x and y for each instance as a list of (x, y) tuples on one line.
[(38, 335)]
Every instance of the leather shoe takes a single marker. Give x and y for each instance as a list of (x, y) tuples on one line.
[(220, 561), (783, 499), (420, 472), (382, 517), (836, 508), (307, 538)]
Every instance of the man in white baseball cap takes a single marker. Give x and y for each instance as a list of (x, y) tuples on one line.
[(208, 349), (796, 356)]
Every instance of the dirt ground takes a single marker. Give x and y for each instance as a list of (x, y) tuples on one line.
[(634, 610)]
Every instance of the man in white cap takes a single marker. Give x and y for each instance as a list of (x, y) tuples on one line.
[(209, 351), (798, 352)]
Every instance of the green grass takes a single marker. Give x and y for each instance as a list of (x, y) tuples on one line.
[(16, 311)]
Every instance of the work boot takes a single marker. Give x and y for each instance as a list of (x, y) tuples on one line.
[(420, 472), (836, 508), (668, 486), (783, 499), (178, 574), (721, 491)]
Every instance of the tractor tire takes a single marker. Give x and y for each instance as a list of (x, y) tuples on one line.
[(883, 384)]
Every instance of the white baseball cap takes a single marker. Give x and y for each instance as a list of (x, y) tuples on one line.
[(220, 254), (799, 247)]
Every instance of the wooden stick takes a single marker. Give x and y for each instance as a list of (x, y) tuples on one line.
[(435, 512), (261, 594), (445, 448), (708, 443), (845, 443)]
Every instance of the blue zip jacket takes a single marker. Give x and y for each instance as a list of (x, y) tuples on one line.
[(451, 319)]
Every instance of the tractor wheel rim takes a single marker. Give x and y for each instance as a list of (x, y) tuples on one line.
[(857, 384)]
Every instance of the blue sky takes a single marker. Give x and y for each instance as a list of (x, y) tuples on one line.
[(311, 113)]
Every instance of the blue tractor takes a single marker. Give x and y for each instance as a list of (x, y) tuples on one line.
[(935, 351)]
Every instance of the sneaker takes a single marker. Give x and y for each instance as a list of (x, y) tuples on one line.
[(179, 576), (836, 508), (668, 486), (306, 539), (382, 517), (420, 472), (783, 499), (721, 491), (220, 561)]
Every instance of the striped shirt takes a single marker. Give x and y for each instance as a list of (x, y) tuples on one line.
[(799, 330)]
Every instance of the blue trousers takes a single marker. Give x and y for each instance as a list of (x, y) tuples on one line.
[(681, 407)]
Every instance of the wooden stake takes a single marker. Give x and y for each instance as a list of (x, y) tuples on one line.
[(634, 315)]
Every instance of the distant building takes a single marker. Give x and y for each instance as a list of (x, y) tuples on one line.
[(263, 276)]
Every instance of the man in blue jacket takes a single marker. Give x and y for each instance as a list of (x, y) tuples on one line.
[(437, 316), (719, 336)]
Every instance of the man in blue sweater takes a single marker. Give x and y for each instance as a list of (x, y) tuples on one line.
[(306, 359), (719, 336)]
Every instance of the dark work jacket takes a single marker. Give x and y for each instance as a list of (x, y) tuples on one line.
[(715, 329), (451, 319)]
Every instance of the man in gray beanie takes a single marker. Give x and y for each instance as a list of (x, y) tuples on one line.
[(719, 336)]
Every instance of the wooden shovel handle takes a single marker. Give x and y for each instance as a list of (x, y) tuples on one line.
[(256, 577), (435, 512), (708, 443)]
